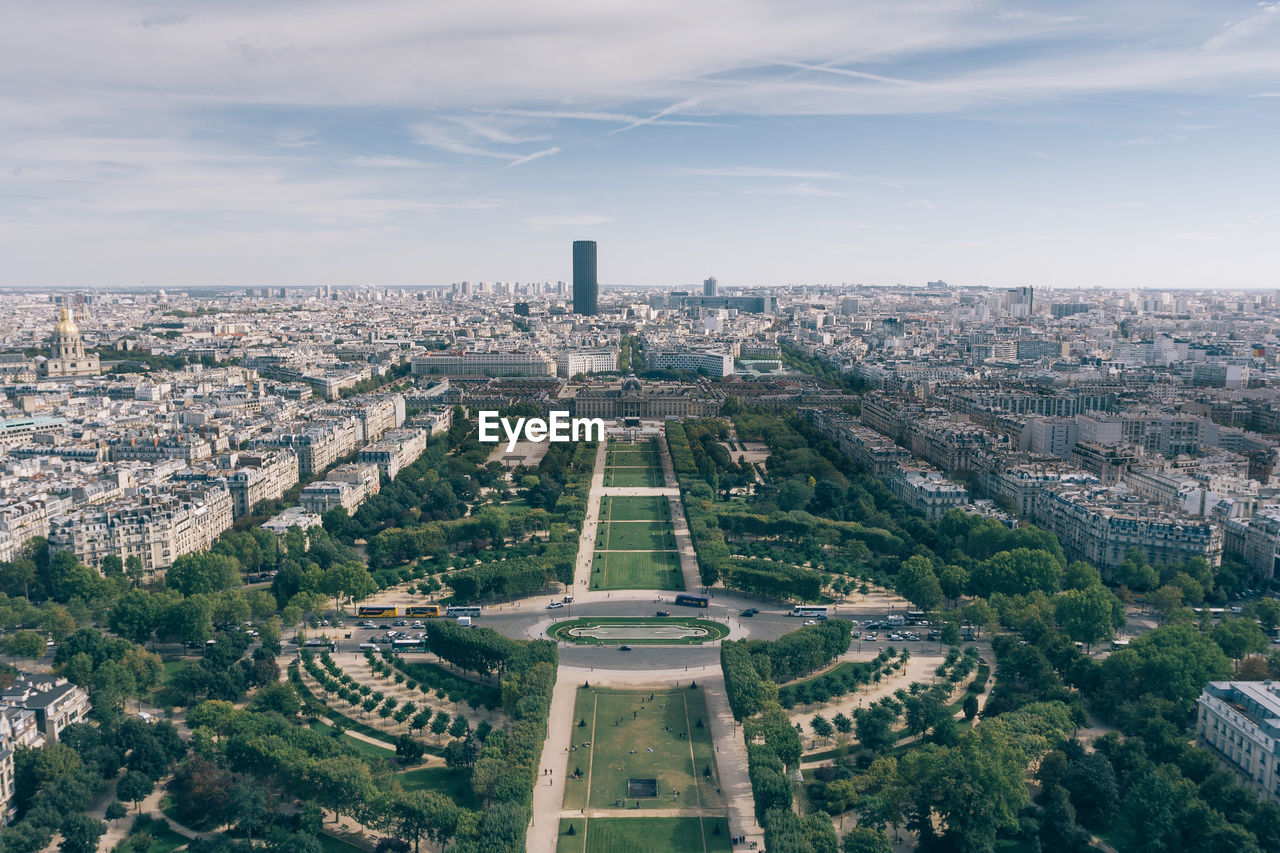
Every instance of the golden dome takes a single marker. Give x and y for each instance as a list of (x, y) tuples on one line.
[(65, 326)]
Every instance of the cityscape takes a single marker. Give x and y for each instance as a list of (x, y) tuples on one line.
[(856, 425)]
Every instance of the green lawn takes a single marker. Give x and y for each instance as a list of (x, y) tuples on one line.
[(637, 536), (162, 840), (361, 747), (635, 509), (625, 478), (636, 570), (453, 782), (644, 835), (621, 727), (557, 631)]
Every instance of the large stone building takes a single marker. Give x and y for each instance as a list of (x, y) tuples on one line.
[(67, 356), (632, 399), (261, 477), (346, 486), (155, 528), (1239, 721)]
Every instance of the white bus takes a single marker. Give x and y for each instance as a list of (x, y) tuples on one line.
[(472, 610), (810, 611)]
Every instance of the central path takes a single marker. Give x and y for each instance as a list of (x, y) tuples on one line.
[(730, 750)]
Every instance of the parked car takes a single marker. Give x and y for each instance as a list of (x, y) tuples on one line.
[(367, 624), (870, 638), (662, 613), (811, 621), (400, 623), (418, 624), (555, 605)]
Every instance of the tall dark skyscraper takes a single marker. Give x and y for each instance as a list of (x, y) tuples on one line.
[(710, 287), (586, 289)]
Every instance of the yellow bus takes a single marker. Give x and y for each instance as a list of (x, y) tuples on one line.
[(431, 611), (378, 611)]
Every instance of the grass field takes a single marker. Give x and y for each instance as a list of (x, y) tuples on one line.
[(626, 478), (559, 629), (634, 509), (637, 536), (636, 570), (453, 782), (620, 735), (645, 835)]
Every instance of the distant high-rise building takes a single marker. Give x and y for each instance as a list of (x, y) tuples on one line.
[(586, 289), (710, 287)]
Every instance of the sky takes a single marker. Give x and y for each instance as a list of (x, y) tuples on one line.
[(1128, 143)]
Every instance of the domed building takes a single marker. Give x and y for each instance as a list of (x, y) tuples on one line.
[(66, 353)]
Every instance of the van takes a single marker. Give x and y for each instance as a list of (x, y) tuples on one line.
[(895, 620), (464, 621)]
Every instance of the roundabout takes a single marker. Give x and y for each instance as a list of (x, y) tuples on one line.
[(653, 631)]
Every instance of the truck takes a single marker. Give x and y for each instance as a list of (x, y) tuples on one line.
[(464, 621)]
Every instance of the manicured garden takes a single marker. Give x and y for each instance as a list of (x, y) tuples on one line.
[(644, 835), (708, 631)]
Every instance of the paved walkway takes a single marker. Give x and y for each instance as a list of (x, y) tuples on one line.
[(586, 542)]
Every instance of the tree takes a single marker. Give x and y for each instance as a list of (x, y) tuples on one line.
[(413, 815), (1091, 781), (1058, 829), (251, 807), (917, 582), (1166, 600), (80, 833), (1238, 637), (821, 726), (970, 706), (203, 571), (115, 811), (866, 839), (136, 615), (1087, 614), (134, 787), (341, 784), (843, 724), (440, 723), (24, 644), (408, 749), (1172, 662), (1018, 572)]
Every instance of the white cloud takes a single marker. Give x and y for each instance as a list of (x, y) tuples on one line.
[(567, 221)]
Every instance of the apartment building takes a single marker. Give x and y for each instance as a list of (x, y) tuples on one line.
[(157, 528), (320, 445), (1100, 525), (925, 490), (345, 486), (55, 702), (398, 449), (1239, 721), (260, 477)]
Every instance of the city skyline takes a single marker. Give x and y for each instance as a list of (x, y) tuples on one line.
[(988, 143)]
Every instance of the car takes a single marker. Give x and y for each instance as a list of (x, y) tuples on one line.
[(555, 605), (418, 624), (853, 622), (624, 648), (400, 623), (339, 624), (811, 621), (367, 624), (663, 613), (870, 638), (384, 641), (750, 611), (568, 599), (935, 635)]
